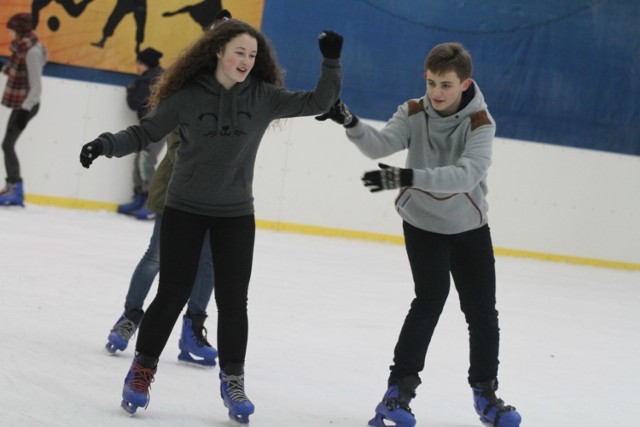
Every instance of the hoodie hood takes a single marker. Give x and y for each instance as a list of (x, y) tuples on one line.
[(472, 100)]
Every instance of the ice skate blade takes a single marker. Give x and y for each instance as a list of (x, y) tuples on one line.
[(239, 420), (509, 418), (111, 349), (502, 423), (129, 407), (186, 359), (379, 421)]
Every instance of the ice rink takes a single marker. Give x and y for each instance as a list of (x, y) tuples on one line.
[(324, 316)]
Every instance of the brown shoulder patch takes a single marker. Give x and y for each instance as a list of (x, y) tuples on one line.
[(415, 107), (479, 118)]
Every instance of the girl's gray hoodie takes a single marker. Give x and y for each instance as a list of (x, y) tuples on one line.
[(220, 131)]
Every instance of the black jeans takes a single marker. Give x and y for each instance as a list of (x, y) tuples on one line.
[(468, 257), (181, 238), (11, 163)]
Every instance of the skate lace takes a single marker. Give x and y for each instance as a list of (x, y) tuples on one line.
[(201, 337), (235, 387), (494, 402), (142, 378), (125, 328), (394, 403)]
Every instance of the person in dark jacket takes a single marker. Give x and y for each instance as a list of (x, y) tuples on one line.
[(148, 65)]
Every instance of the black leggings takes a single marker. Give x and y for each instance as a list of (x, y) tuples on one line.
[(468, 257), (181, 238), (11, 163)]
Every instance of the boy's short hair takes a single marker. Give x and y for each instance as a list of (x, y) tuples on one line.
[(447, 57)]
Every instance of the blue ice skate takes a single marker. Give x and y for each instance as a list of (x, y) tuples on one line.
[(144, 214), (233, 395), (123, 330), (135, 393), (12, 195), (139, 199), (493, 411), (193, 344), (395, 404)]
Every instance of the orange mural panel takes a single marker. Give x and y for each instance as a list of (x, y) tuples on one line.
[(105, 34)]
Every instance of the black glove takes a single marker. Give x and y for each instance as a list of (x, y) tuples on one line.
[(387, 178), (340, 114), (22, 117), (90, 151), (1, 65), (330, 44)]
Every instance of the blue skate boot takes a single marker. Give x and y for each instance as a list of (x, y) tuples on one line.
[(233, 395), (12, 194), (395, 404), (135, 393), (123, 330), (139, 199), (144, 214), (193, 344), (493, 411)]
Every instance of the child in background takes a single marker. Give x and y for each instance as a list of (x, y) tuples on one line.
[(149, 69), (193, 344)]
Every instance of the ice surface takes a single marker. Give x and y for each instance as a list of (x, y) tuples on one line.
[(324, 317)]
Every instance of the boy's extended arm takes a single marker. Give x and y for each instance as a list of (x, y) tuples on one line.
[(372, 142)]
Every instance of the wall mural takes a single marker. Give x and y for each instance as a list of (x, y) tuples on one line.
[(107, 34)]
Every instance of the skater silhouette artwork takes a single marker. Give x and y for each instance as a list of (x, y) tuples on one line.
[(121, 9), (70, 6), (203, 13)]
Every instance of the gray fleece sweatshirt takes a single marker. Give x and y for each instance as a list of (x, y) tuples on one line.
[(220, 131), (449, 156), (36, 59)]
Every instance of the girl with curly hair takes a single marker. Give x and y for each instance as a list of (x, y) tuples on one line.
[(222, 93)]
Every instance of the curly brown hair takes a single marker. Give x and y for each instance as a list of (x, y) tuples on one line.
[(201, 58)]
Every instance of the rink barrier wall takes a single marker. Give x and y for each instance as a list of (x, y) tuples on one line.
[(546, 202), (340, 233)]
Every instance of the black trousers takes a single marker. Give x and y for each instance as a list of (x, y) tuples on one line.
[(434, 258), (11, 163), (181, 238)]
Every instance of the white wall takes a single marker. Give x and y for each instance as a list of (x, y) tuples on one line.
[(544, 198), (71, 114)]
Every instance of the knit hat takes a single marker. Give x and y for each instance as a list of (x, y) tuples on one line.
[(21, 23), (150, 57)]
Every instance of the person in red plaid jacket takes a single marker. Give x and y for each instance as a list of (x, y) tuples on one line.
[(22, 96)]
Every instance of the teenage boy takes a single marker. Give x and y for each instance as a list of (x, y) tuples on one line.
[(442, 200)]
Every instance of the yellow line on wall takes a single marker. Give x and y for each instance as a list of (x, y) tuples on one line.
[(62, 202), (342, 233)]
